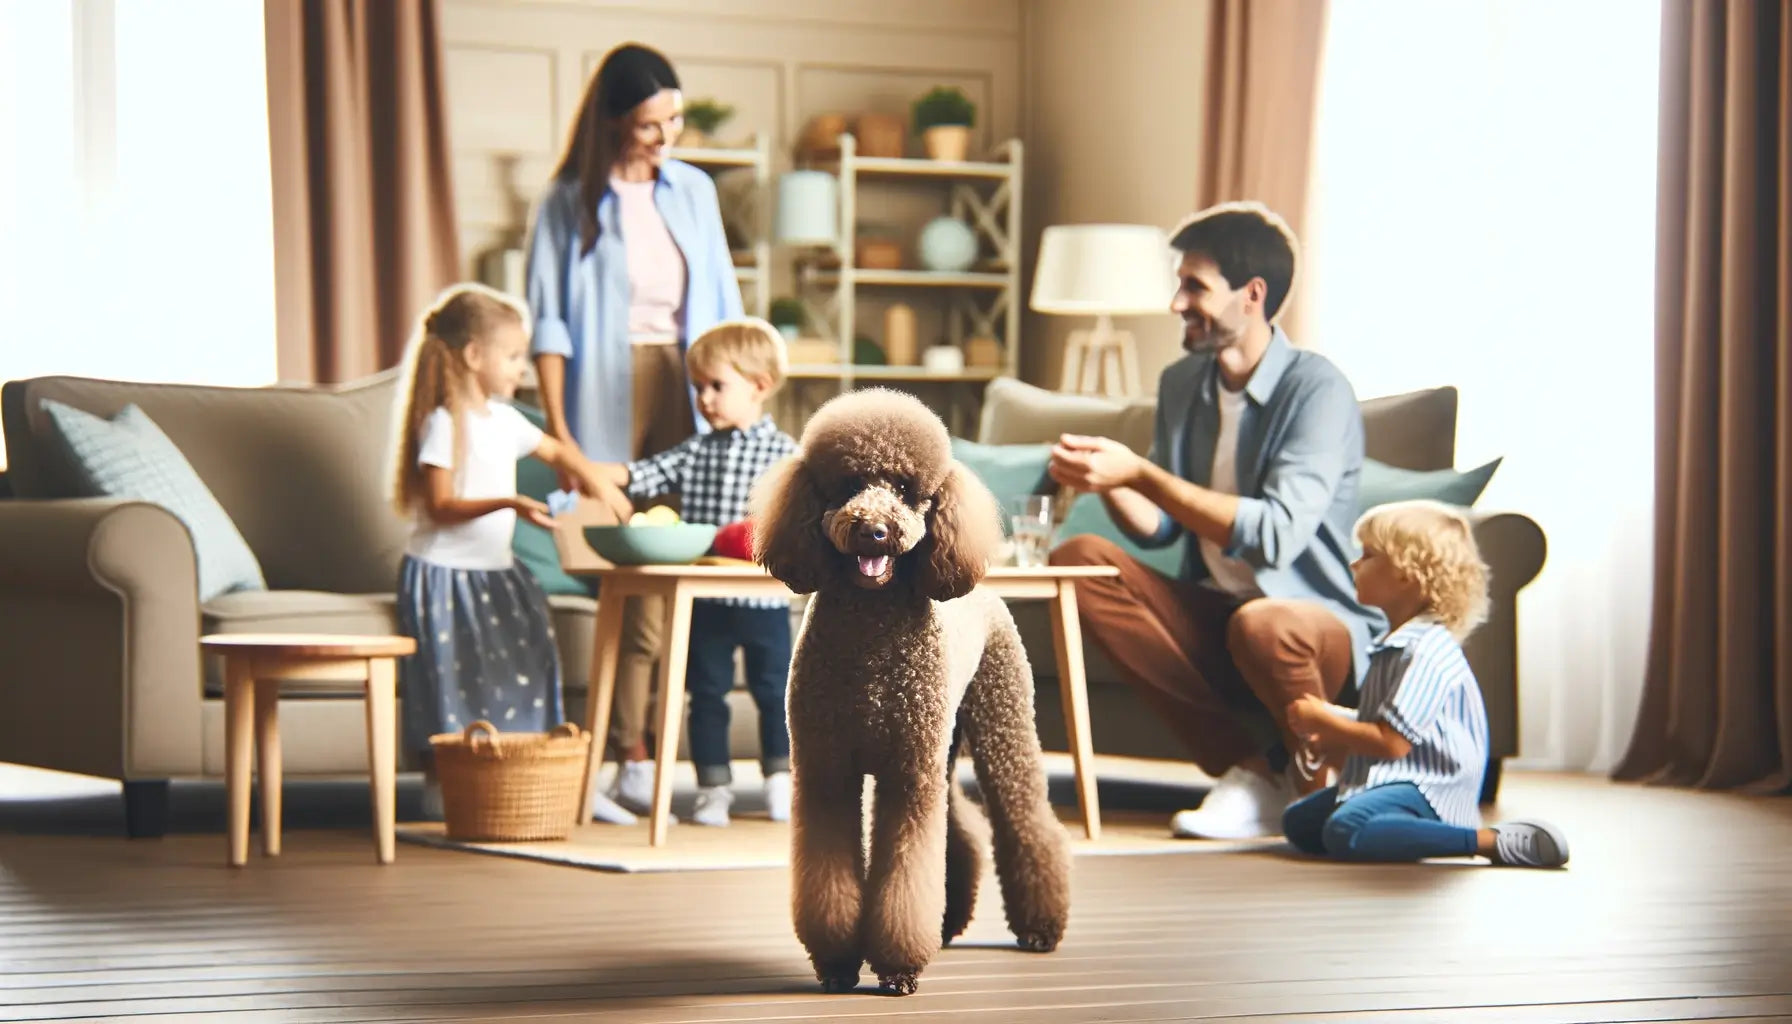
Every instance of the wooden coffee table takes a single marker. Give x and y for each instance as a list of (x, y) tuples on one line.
[(679, 585)]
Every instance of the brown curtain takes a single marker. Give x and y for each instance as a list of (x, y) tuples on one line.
[(1717, 704), (1263, 86), (363, 211)]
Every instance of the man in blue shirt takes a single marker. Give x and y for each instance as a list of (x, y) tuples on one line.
[(1256, 458)]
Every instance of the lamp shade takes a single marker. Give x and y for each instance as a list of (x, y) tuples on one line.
[(1103, 269), (808, 208)]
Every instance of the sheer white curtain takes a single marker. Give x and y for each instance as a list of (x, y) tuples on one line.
[(1483, 216), (136, 226)]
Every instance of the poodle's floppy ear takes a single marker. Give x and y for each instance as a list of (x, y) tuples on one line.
[(787, 508), (964, 533)]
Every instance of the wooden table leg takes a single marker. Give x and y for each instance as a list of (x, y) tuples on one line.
[(239, 745), (672, 667), (600, 692), (382, 752), (267, 761), (1073, 687)]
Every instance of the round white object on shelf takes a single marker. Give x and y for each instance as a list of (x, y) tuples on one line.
[(947, 244), (943, 359)]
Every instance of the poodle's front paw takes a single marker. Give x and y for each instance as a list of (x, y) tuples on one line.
[(838, 977), (899, 983), (1043, 941)]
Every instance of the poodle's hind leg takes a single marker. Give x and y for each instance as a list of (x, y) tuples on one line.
[(1032, 852), (827, 870), (964, 853), (906, 887)]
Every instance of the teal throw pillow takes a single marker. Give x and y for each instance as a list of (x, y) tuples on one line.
[(128, 456), (1381, 483), (1008, 470), (532, 545)]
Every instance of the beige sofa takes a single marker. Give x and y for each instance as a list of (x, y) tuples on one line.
[(1412, 431), (100, 669)]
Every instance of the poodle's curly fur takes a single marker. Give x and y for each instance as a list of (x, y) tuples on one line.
[(899, 660)]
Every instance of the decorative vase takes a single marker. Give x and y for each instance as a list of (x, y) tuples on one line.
[(899, 335), (983, 352), (947, 244), (946, 141), (879, 135), (808, 208)]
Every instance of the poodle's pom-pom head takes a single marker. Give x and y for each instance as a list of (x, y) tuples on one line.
[(877, 433)]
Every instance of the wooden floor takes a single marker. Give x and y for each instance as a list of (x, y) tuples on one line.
[(1677, 906)]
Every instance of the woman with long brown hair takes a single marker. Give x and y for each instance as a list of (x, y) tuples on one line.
[(628, 261)]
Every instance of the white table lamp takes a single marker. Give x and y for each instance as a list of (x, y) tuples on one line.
[(1104, 270)]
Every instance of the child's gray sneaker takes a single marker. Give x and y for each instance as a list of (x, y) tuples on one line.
[(1529, 844)]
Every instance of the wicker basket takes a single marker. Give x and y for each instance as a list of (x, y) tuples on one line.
[(509, 787)]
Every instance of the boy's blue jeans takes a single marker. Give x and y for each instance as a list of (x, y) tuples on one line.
[(764, 635), (1393, 822)]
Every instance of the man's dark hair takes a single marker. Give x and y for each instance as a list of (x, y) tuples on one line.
[(1244, 240)]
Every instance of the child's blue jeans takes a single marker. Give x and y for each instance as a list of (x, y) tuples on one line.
[(1393, 822), (763, 635)]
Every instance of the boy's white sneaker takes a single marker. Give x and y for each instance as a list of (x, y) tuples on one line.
[(610, 812), (777, 796), (712, 806), (1241, 805), (633, 787)]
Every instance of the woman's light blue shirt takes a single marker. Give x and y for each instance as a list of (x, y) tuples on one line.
[(580, 303)]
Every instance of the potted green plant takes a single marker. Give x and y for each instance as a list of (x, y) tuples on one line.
[(788, 316), (943, 118), (702, 118)]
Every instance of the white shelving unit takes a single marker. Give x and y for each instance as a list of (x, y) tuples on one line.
[(755, 280), (984, 302)]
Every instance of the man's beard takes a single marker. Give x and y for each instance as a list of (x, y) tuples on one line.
[(1202, 336)]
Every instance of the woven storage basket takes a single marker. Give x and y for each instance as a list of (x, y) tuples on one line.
[(499, 786)]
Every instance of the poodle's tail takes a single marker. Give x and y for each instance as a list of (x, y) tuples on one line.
[(967, 837)]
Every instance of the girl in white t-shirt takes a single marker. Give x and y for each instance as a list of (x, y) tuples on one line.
[(485, 642)]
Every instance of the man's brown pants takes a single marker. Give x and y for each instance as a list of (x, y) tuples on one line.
[(1219, 672)]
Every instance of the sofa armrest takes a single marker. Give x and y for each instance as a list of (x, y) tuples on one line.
[(99, 628), (1513, 547)]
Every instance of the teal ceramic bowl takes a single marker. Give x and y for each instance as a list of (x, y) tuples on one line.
[(672, 544)]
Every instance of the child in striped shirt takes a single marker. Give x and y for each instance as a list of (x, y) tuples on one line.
[(1415, 748)]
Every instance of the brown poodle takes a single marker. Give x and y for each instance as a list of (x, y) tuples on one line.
[(899, 657)]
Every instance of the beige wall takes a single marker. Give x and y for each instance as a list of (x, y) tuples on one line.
[(1114, 99), (516, 70), (1107, 97)]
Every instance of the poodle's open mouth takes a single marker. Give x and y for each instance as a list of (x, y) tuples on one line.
[(872, 571)]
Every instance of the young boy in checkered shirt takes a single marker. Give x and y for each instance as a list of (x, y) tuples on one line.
[(733, 367)]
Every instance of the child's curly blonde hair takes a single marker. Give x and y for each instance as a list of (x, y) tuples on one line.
[(1433, 545)]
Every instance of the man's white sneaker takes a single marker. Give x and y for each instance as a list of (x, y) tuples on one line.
[(633, 788), (610, 812), (1241, 805), (777, 796), (712, 806)]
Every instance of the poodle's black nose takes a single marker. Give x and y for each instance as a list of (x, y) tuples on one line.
[(874, 531)]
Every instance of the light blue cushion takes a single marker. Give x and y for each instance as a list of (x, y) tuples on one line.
[(1382, 483), (1088, 515), (128, 456), (1008, 470)]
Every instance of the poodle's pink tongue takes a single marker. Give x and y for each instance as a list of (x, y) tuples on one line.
[(873, 566)]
